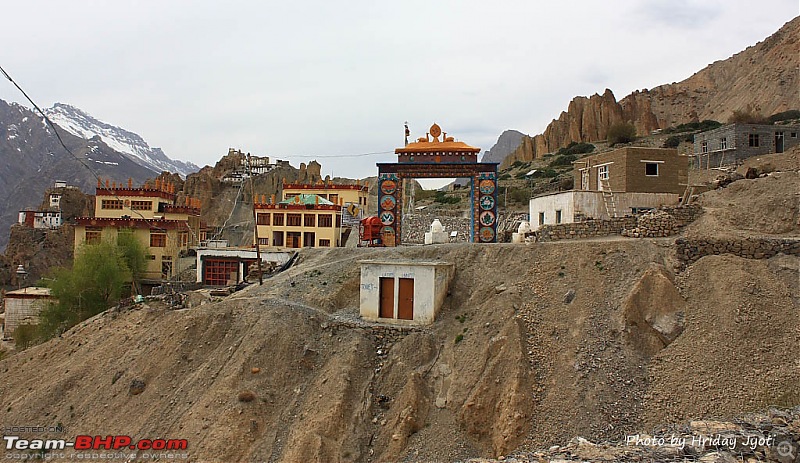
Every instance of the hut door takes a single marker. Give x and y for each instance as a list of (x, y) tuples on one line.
[(386, 298), (405, 299)]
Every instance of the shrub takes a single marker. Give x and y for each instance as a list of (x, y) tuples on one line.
[(563, 160), (26, 336), (443, 198), (675, 140), (520, 195), (784, 116), (576, 148), (706, 124), (504, 177), (621, 132)]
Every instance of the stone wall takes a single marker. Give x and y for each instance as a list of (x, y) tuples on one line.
[(688, 251), (666, 221), (588, 229)]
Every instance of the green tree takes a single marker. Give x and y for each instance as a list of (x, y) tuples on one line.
[(621, 132), (97, 280), (134, 255)]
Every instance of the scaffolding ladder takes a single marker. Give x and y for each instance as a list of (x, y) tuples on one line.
[(687, 195), (608, 198)]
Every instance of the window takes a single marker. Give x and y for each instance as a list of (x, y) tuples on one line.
[(704, 147), (558, 216), (793, 134), (723, 143), (293, 220), (142, 205), (93, 235), (151, 257), (324, 243), (651, 169), (309, 220), (334, 198), (338, 220), (325, 220), (166, 257), (277, 220), (111, 204), (263, 218), (752, 140), (158, 239), (602, 172), (263, 241), (183, 239), (541, 218)]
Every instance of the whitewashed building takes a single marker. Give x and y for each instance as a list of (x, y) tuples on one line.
[(403, 292)]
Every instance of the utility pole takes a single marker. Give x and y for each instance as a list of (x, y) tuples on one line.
[(255, 221)]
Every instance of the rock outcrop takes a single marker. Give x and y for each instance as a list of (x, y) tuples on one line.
[(763, 78)]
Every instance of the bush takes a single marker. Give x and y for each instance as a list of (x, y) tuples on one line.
[(622, 132), (576, 148), (784, 116), (563, 160), (504, 177), (26, 336), (442, 198), (675, 140), (520, 195), (706, 124)]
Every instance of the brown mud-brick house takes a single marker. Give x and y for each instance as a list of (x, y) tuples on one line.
[(614, 184)]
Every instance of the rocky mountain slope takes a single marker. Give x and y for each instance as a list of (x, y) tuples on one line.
[(763, 78), (31, 160), (505, 145), (83, 125), (288, 372)]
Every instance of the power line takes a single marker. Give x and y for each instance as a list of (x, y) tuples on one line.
[(295, 156), (82, 162)]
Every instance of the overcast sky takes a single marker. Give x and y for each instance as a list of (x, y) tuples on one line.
[(302, 80)]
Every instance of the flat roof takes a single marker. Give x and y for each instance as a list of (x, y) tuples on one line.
[(417, 263), (30, 291)]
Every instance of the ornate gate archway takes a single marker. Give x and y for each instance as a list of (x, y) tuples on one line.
[(429, 157)]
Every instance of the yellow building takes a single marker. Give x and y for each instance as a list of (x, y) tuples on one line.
[(301, 221), (164, 228)]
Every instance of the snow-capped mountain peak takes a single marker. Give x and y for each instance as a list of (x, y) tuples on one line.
[(82, 124)]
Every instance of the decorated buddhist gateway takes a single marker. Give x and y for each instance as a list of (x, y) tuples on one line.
[(430, 157)]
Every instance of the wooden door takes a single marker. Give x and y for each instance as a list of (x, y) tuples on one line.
[(405, 299), (386, 298)]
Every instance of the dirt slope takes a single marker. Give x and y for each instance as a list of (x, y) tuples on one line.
[(531, 369), (534, 345)]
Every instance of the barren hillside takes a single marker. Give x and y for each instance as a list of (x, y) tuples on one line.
[(532, 369), (764, 78)]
